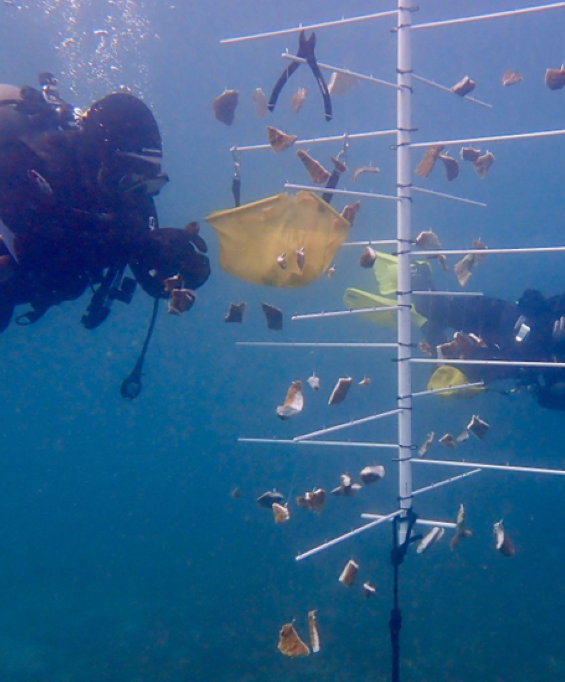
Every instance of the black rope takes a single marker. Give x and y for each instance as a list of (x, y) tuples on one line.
[(397, 555)]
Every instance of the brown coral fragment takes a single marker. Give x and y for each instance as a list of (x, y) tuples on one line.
[(236, 312), (300, 258), (180, 301), (502, 542), (364, 169), (260, 102), (280, 512), (225, 106), (479, 246), (294, 402), (464, 269), (273, 316), (278, 140), (483, 163), (478, 427), (464, 86), (290, 643), (298, 99), (448, 441), (511, 78), (340, 83), (339, 165), (372, 474), (349, 573), (173, 283), (313, 501), (426, 349), (427, 444), (451, 166), (369, 590), (428, 241), (313, 632), (346, 488), (461, 530), (469, 154), (368, 257), (340, 390), (350, 211), (426, 165), (317, 172), (555, 78)]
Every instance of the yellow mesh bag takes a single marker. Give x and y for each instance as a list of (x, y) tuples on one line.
[(253, 236)]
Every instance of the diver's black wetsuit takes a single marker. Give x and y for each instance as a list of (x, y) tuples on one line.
[(76, 204), (498, 323)]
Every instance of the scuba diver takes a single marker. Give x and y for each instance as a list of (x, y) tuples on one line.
[(77, 207), (531, 329)]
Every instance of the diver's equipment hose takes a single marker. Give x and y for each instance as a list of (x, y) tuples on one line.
[(131, 385)]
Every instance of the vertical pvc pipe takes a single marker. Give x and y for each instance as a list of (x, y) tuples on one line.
[(404, 229)]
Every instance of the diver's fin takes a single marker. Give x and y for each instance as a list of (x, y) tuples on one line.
[(356, 299)]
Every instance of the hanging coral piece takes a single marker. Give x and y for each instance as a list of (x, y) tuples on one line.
[(273, 316), (469, 154), (461, 530), (340, 391), (225, 106), (483, 163), (464, 86), (365, 169), (280, 512), (451, 166), (314, 382), (427, 444), (426, 165), (502, 542), (313, 501), (349, 573), (340, 83), (298, 99), (478, 427), (260, 101), (350, 211), (368, 257), (448, 441), (372, 474), (317, 172), (313, 631), (294, 402), (511, 78), (181, 301), (464, 269), (555, 78), (278, 140), (432, 538), (428, 241), (236, 312), (290, 643)]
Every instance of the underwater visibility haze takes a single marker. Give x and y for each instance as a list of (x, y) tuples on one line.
[(124, 553)]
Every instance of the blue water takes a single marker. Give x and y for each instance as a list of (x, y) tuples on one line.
[(122, 555)]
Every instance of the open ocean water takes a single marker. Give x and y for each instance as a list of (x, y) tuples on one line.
[(123, 557)]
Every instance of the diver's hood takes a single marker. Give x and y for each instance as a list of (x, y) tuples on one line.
[(122, 125)]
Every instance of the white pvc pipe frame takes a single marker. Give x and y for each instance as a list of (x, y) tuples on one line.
[(404, 298)]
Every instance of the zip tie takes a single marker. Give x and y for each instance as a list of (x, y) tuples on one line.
[(404, 397), (407, 345), (408, 130), (401, 186), (400, 498), (409, 9)]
